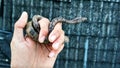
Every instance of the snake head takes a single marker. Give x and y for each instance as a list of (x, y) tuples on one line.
[(79, 19)]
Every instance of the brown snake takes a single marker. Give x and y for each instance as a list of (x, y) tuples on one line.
[(33, 27)]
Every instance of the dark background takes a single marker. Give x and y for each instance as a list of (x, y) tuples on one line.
[(93, 44)]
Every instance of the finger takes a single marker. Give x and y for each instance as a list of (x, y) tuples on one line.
[(44, 23), (59, 41), (19, 25), (59, 50), (56, 32), (54, 53)]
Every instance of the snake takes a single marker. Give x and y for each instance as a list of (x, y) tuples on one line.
[(33, 28)]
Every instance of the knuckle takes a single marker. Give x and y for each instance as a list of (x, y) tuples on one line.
[(44, 23), (62, 32), (44, 31), (16, 24), (57, 31), (12, 42), (45, 20), (58, 26)]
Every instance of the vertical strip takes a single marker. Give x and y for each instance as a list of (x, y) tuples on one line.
[(101, 10), (80, 6), (51, 10), (1, 13), (76, 51), (69, 0), (41, 6), (95, 52), (65, 14), (67, 44), (108, 29), (91, 8), (13, 13), (31, 10), (4, 18), (57, 63), (67, 55), (115, 52), (117, 1), (85, 54), (105, 52), (101, 40), (110, 13), (22, 8), (61, 8)]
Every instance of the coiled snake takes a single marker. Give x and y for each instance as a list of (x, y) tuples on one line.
[(33, 28)]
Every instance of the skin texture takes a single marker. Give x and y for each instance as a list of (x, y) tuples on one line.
[(27, 53)]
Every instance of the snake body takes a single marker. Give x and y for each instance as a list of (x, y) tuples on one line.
[(33, 27)]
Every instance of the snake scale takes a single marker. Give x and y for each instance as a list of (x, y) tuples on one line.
[(33, 27)]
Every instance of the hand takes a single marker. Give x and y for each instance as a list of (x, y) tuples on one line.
[(27, 53)]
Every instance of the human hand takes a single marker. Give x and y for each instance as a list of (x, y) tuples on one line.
[(26, 53)]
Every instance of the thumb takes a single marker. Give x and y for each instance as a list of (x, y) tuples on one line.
[(19, 25)]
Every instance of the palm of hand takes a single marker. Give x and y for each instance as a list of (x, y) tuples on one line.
[(34, 53)]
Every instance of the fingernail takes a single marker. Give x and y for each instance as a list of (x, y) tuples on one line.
[(51, 54), (53, 38), (41, 39), (55, 45), (23, 13)]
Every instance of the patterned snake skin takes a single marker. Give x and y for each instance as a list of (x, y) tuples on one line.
[(33, 28)]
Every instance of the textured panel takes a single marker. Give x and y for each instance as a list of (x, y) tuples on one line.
[(4, 49), (0, 14), (93, 44), (4, 63)]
